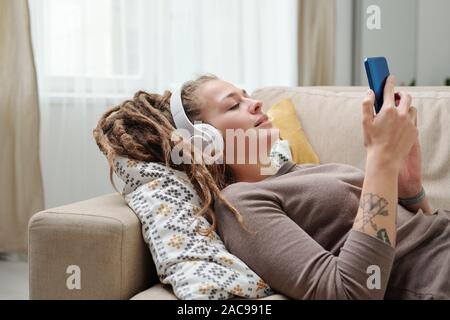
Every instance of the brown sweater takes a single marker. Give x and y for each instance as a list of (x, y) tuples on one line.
[(305, 247)]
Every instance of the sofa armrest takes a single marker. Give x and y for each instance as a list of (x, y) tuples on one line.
[(102, 237)]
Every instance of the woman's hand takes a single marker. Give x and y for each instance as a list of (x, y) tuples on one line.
[(410, 175), (392, 133)]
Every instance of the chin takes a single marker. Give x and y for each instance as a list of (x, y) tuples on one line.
[(269, 130)]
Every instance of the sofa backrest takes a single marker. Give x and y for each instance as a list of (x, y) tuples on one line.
[(331, 119)]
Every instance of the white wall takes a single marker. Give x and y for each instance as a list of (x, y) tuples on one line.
[(343, 60), (433, 42), (414, 37), (396, 40)]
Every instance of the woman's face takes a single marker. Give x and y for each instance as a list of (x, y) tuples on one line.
[(228, 107)]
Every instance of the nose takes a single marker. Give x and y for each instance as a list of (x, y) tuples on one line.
[(255, 106)]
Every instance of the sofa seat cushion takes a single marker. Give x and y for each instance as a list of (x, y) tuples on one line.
[(164, 292), (157, 292)]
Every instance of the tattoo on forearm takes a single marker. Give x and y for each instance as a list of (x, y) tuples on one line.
[(372, 206), (383, 236)]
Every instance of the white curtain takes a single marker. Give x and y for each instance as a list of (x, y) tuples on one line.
[(94, 54)]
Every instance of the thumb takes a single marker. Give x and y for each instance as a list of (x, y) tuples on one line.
[(367, 107)]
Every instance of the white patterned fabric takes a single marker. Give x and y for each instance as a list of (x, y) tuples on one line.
[(196, 266), (280, 153)]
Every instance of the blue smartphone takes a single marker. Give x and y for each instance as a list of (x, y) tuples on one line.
[(377, 72)]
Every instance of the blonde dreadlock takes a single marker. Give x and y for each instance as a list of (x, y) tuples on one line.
[(141, 129)]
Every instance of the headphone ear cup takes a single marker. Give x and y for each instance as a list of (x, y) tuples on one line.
[(211, 137)]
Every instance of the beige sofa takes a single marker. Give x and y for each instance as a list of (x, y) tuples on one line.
[(102, 236)]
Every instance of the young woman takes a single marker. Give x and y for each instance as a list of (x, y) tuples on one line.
[(328, 231)]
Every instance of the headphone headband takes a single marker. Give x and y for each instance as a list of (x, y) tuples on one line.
[(178, 114), (208, 135)]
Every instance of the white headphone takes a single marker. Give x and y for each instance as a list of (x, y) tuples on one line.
[(208, 134)]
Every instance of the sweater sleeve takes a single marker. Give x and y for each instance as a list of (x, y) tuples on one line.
[(292, 262)]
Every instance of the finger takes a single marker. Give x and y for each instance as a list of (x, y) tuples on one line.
[(413, 115), (388, 92), (405, 102), (367, 107)]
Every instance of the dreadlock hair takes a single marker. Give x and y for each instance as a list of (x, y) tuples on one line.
[(141, 129)]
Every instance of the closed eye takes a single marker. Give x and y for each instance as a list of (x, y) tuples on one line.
[(234, 107)]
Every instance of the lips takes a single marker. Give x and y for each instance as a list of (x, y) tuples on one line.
[(261, 120)]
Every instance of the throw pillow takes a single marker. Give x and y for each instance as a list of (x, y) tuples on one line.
[(196, 266), (285, 118)]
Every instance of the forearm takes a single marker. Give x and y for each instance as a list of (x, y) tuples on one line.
[(377, 211), (424, 205)]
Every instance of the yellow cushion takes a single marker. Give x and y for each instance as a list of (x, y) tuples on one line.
[(285, 118)]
